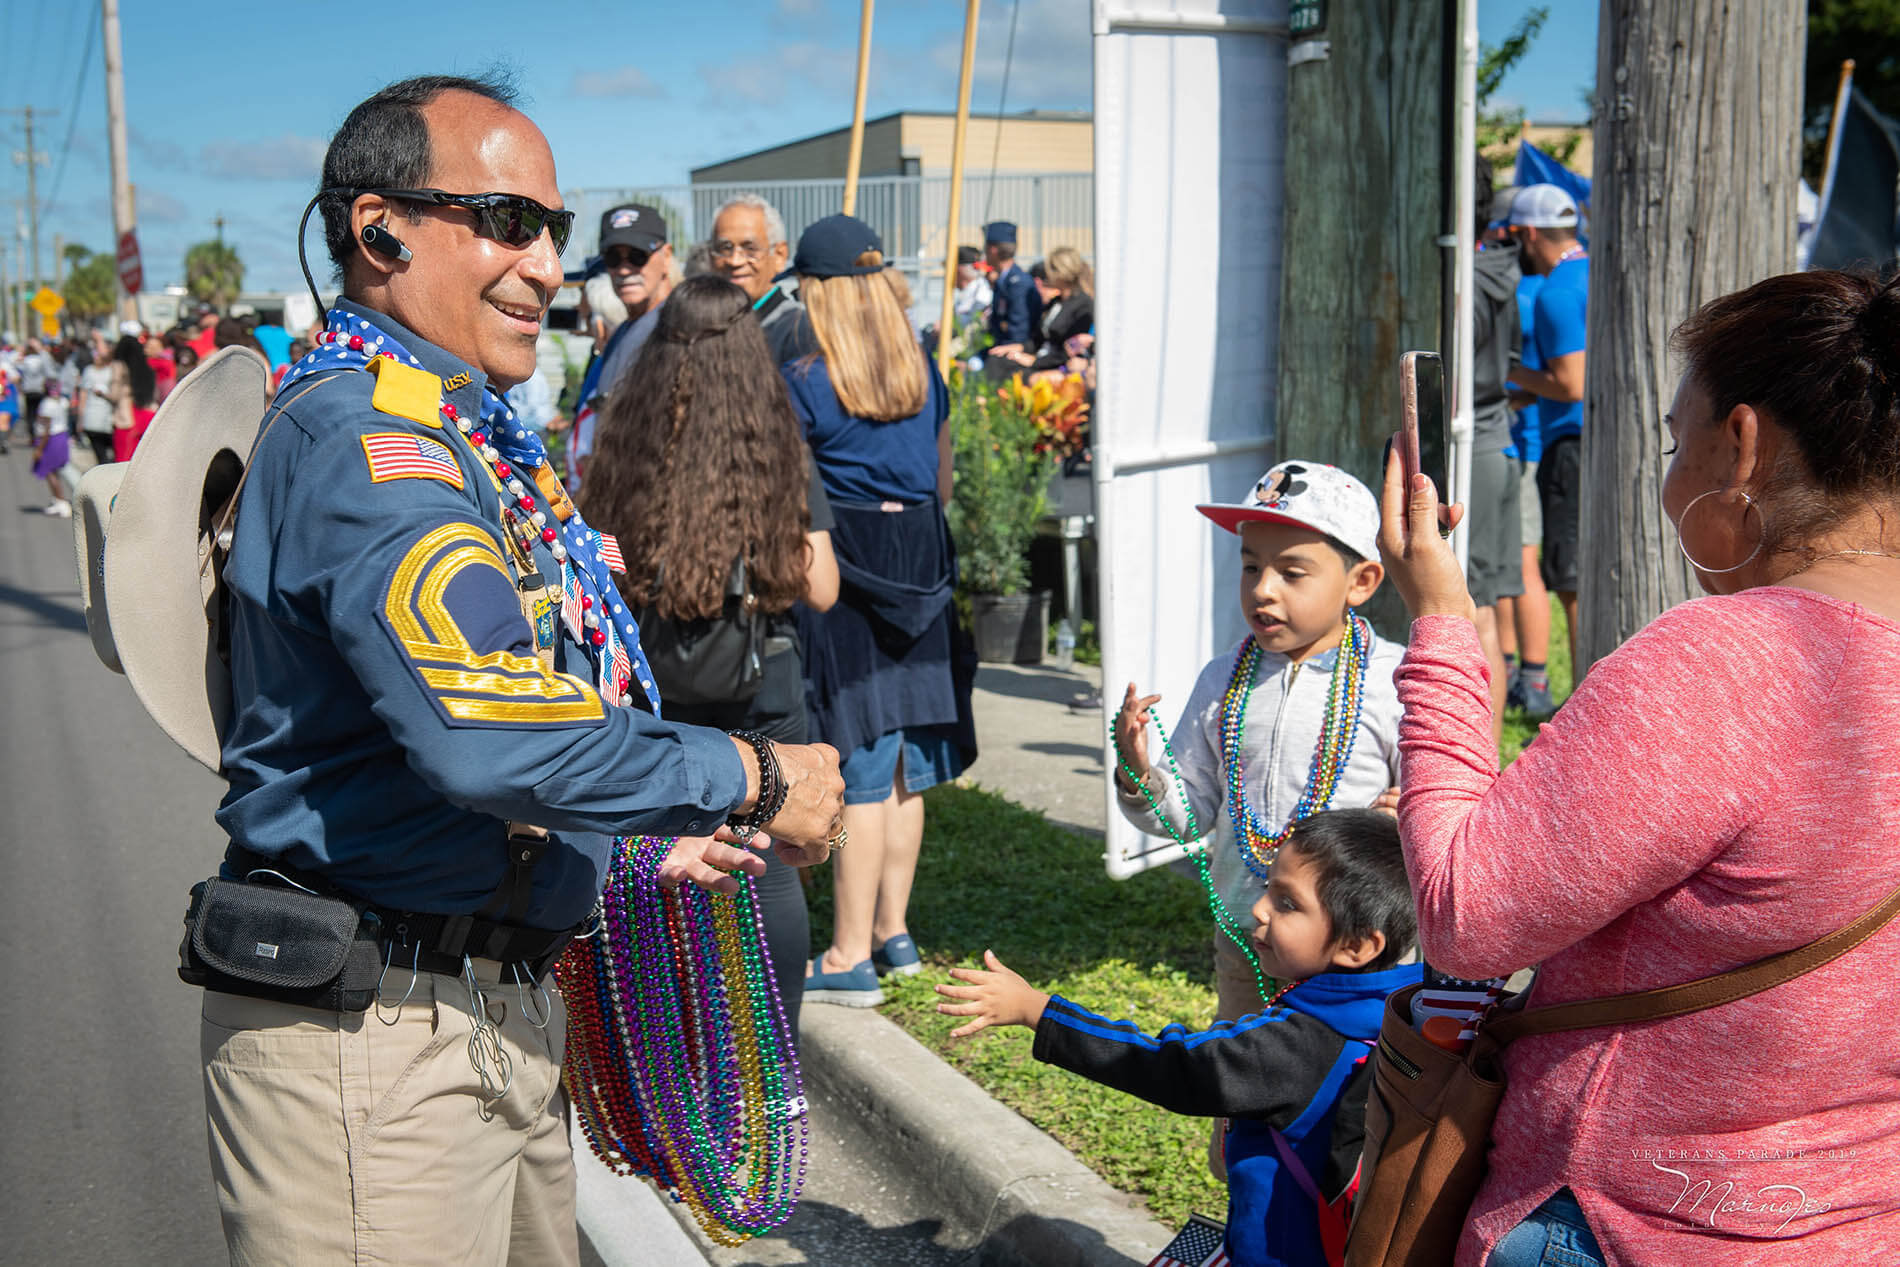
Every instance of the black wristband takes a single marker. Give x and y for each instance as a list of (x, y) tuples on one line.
[(772, 787)]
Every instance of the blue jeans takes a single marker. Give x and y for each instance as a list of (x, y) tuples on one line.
[(1555, 1234)]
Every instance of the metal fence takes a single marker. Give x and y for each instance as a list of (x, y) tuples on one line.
[(909, 212)]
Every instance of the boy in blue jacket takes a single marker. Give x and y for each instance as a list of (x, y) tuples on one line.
[(1336, 918)]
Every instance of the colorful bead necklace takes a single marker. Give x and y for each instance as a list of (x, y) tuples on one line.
[(1256, 845), (1255, 842), (1270, 987), (679, 1064)]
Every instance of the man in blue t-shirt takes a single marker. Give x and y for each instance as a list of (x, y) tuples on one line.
[(1544, 220), (1524, 621)]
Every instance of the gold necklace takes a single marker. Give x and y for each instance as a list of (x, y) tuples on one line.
[(1819, 558)]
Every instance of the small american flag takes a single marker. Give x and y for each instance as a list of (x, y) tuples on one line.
[(571, 600), (1202, 1243), (399, 455), (610, 552)]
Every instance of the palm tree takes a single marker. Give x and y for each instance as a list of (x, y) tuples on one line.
[(214, 273)]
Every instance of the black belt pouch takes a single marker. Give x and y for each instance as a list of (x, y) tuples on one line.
[(273, 942)]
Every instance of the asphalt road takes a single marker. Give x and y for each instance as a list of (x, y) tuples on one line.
[(106, 825)]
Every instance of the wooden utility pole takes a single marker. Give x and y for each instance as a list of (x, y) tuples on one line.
[(855, 160), (124, 217), (946, 323), (32, 158), (1698, 129), (1361, 265)]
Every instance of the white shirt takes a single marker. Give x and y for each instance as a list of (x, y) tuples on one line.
[(1285, 711)]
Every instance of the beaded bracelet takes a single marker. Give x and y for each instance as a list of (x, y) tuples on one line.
[(772, 787)]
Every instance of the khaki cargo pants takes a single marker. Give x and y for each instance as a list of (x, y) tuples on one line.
[(358, 1138)]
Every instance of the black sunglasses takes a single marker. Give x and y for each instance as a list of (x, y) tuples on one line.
[(506, 218)]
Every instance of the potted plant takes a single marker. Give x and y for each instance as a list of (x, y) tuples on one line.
[(1002, 466)]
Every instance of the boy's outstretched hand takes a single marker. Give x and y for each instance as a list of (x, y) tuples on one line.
[(1131, 735), (996, 997)]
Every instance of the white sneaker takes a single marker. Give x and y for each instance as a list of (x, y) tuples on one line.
[(59, 510)]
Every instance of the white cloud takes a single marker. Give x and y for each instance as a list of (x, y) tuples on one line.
[(624, 81), (288, 157), (1052, 64), (765, 78), (155, 206)]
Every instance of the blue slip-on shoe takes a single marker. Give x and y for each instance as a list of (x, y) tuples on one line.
[(897, 956), (855, 988)]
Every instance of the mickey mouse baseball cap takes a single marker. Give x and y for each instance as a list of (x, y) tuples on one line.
[(1308, 495)]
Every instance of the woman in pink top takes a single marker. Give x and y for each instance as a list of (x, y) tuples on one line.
[(1723, 787)]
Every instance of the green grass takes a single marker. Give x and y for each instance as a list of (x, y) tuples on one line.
[(1519, 730), (994, 875)]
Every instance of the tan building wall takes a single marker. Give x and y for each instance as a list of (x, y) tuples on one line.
[(1030, 143), (1547, 137)]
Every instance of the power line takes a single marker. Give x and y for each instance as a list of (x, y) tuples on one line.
[(1009, 57), (72, 125)]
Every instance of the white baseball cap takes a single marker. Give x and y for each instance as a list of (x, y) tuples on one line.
[(1308, 495), (1543, 207), (132, 328)]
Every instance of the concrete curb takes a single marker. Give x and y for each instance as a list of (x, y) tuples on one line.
[(1024, 1198)]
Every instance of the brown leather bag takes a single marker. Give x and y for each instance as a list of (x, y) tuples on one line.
[(1429, 1113)]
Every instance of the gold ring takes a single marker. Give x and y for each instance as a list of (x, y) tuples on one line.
[(838, 841)]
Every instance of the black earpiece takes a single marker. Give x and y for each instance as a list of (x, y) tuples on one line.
[(383, 242)]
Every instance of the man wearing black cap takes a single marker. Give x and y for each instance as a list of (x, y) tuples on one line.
[(638, 257), (1016, 307)]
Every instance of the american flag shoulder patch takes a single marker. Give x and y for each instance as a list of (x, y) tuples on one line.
[(404, 455)]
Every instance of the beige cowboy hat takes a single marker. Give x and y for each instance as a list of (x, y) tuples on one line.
[(144, 532)]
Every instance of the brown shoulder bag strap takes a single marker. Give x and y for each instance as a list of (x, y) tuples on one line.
[(1694, 996)]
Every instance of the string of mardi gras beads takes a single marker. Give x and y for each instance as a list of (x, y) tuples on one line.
[(1338, 728), (679, 1061), (1270, 987)]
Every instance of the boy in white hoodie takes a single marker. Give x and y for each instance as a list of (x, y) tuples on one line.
[(1301, 715)]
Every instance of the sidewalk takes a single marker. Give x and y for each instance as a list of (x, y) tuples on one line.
[(1036, 750)]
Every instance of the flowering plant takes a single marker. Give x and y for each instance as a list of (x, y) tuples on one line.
[(1059, 409), (1002, 466)]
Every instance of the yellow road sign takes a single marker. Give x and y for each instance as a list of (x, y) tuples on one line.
[(47, 301), (49, 325)]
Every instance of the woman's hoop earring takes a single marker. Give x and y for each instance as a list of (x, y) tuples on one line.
[(1682, 543)]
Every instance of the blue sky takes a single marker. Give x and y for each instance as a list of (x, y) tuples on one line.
[(230, 106)]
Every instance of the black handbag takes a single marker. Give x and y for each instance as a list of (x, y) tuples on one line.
[(703, 662), (272, 941)]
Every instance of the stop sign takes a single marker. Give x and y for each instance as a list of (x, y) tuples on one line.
[(131, 272)]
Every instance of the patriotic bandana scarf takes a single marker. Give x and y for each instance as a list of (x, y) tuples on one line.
[(350, 341)]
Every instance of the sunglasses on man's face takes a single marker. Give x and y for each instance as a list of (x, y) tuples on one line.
[(509, 219), (626, 257)]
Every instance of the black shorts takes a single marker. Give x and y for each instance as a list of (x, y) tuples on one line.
[(1560, 493), (1497, 561)]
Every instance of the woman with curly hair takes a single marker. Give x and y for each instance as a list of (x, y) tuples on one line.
[(884, 685), (698, 470)]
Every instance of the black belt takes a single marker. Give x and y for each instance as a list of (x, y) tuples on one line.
[(425, 941)]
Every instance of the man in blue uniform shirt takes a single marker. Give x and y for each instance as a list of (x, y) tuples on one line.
[(396, 714), (1017, 305)]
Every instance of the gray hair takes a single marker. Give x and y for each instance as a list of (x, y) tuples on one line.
[(603, 301), (774, 223)]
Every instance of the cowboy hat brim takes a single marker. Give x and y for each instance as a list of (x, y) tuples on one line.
[(161, 577), (92, 506)]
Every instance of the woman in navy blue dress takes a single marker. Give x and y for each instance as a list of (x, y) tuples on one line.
[(878, 665)]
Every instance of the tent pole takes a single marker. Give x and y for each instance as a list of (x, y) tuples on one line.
[(855, 161), (946, 332)]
